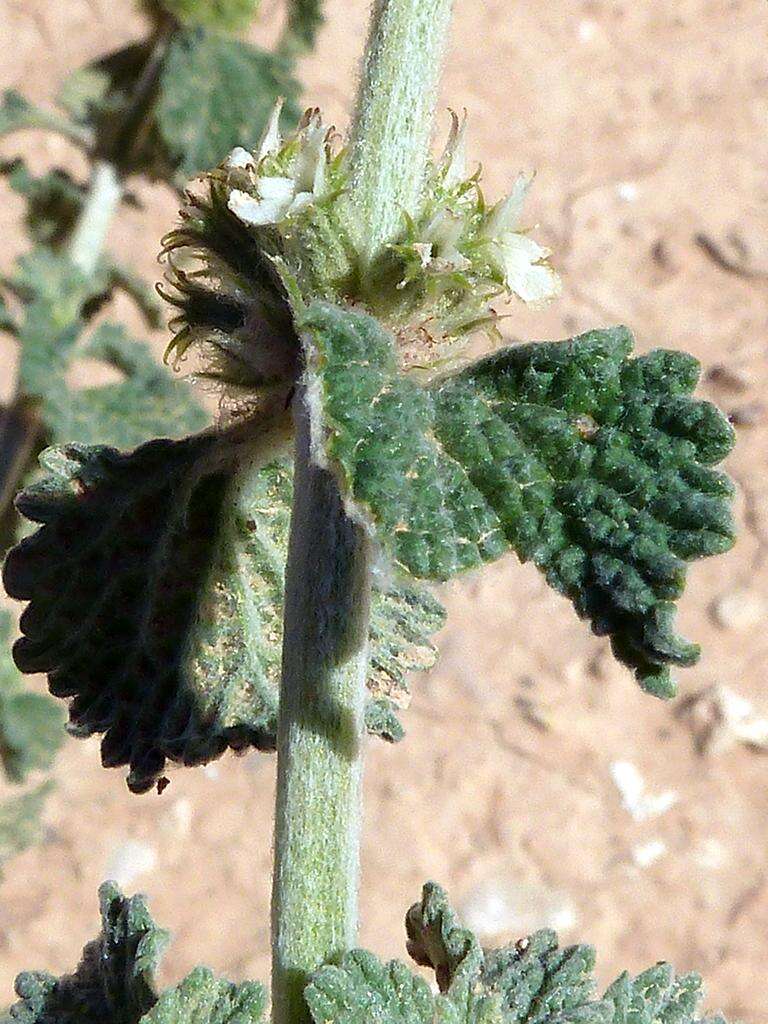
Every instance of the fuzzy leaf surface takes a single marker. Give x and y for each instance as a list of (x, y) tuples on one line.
[(533, 981), (202, 998), (658, 996), (156, 590), (17, 113), (114, 982), (31, 725), (594, 464), (20, 825), (217, 93)]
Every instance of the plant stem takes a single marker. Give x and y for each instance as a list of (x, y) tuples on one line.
[(321, 732), (394, 115), (90, 233)]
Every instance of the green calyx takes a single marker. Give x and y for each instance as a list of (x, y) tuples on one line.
[(275, 227), (219, 15)]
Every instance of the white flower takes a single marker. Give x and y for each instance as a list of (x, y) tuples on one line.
[(278, 197), (525, 272)]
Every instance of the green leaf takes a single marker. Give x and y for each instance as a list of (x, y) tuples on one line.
[(202, 998), (156, 591), (17, 114), (303, 23), (20, 825), (658, 996), (532, 981), (54, 201), (7, 320), (31, 724), (219, 15), (147, 403), (217, 93), (593, 464), (114, 982)]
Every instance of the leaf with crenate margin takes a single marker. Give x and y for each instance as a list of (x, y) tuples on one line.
[(217, 93), (114, 982), (31, 724), (595, 465), (533, 981), (156, 590), (202, 998)]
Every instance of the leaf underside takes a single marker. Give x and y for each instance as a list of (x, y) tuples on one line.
[(156, 592), (115, 981), (20, 820), (530, 982), (594, 465)]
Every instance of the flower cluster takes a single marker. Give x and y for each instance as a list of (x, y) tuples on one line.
[(273, 228)]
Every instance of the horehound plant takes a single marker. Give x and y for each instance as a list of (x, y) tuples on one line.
[(330, 289)]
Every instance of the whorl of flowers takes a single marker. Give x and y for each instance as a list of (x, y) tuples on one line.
[(271, 229)]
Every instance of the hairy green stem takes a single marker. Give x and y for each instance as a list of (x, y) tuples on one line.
[(394, 115), (320, 734), (328, 576)]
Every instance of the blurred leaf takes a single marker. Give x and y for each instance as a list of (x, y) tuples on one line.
[(54, 201), (148, 403), (31, 724), (592, 464), (217, 93), (303, 23), (114, 982), (7, 320), (136, 288), (156, 587), (202, 998), (20, 825), (217, 15), (17, 113)]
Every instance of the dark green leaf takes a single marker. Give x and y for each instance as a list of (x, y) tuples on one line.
[(304, 20), (54, 201), (31, 725), (114, 983), (20, 825), (156, 588), (202, 998), (217, 93), (593, 464)]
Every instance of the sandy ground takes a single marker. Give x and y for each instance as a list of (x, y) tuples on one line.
[(647, 125)]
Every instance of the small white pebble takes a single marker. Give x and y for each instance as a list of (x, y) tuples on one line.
[(628, 191), (502, 907), (180, 817), (648, 853), (129, 860), (211, 771), (740, 609), (240, 157), (631, 785), (587, 30)]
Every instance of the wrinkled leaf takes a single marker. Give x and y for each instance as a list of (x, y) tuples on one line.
[(156, 591), (593, 464), (114, 982), (31, 724), (217, 93), (20, 825), (202, 998), (54, 201), (533, 981)]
